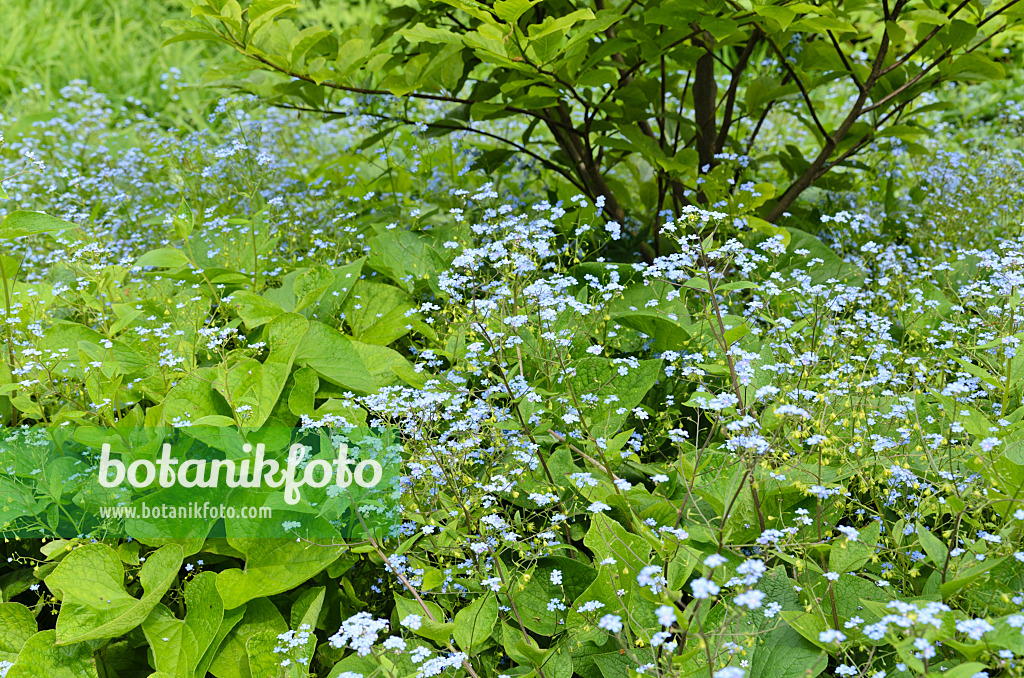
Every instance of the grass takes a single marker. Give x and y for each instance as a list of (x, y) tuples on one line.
[(114, 45)]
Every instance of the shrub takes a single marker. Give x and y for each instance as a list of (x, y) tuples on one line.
[(643, 106)]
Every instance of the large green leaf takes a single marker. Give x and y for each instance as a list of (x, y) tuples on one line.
[(608, 539), (305, 613), (849, 556), (406, 257), (232, 660), (43, 657), (253, 309), (511, 10), (194, 398), (473, 624), (784, 653), (376, 313), (603, 377), (179, 645), (94, 602), (536, 593), (264, 660), (432, 626), (227, 625), (310, 285), (20, 223), (17, 625), (350, 364), (272, 566), (259, 385), (830, 268), (647, 308), (166, 257)]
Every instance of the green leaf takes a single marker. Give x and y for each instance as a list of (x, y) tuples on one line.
[(260, 385), (424, 33), (780, 13), (304, 41), (166, 257), (184, 221), (302, 396), (475, 9), (305, 612), (951, 588), (20, 223), (975, 66), (260, 647), (272, 566), (614, 664), (193, 397), (849, 556), (719, 27), (762, 226), (179, 645), (933, 546), (603, 377), (94, 602), (406, 257), (534, 595), (227, 625), (328, 307), (232, 659), (186, 36), (958, 34), (606, 538), (42, 656), (436, 629), (851, 592), (350, 364), (560, 24), (310, 285), (807, 624), (897, 34), (376, 313), (784, 652), (965, 670), (832, 266), (17, 625), (666, 322), (253, 309), (263, 12), (263, 661), (822, 24), (511, 10), (473, 624)]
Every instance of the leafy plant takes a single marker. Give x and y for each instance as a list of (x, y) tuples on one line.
[(642, 107), (767, 453)]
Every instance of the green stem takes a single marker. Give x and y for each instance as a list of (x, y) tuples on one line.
[(10, 339)]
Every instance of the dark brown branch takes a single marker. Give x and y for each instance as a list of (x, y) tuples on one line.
[(734, 83), (383, 92), (591, 178), (939, 59), (846, 64), (705, 98), (906, 57), (456, 128), (800, 86), (813, 171)]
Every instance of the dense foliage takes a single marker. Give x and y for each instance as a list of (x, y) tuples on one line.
[(771, 452), (645, 106)]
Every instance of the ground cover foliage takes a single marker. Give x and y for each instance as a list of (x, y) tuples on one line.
[(791, 451)]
